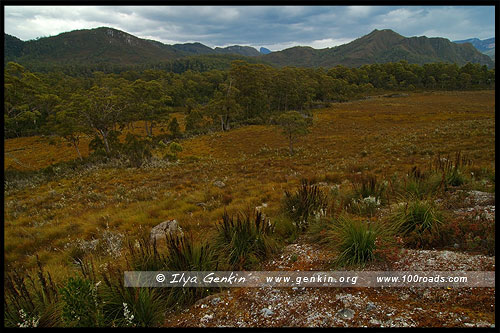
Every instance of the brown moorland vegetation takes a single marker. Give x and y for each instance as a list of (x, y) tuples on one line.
[(379, 135)]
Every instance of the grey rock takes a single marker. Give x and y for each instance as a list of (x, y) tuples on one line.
[(346, 313), (170, 227), (219, 184), (267, 312), (370, 306), (207, 318)]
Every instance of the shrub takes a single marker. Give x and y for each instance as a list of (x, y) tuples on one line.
[(31, 299), (137, 151), (186, 255), (416, 218), (173, 148), (245, 240), (357, 241), (452, 170), (143, 255), (98, 147), (368, 186), (308, 201), (367, 195), (421, 184), (474, 231), (365, 206), (318, 230), (81, 304), (285, 228), (123, 306)]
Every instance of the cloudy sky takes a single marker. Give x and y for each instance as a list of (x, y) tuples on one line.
[(274, 27)]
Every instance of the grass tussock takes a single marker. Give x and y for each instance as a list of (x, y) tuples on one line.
[(415, 218), (245, 240), (308, 201), (358, 242), (31, 299)]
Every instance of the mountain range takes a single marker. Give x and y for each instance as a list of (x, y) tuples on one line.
[(108, 45), (486, 46)]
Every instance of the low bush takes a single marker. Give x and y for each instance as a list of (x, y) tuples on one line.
[(245, 241), (417, 218), (421, 184), (81, 304), (306, 202), (357, 241), (31, 299)]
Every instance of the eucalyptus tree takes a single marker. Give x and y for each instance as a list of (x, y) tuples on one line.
[(293, 125)]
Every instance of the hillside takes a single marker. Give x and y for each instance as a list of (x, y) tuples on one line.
[(486, 46), (381, 46), (107, 45), (91, 46)]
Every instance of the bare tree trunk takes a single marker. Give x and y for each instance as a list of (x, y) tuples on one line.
[(75, 144), (106, 143), (151, 128)]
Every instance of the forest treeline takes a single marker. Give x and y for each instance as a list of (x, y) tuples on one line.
[(101, 105)]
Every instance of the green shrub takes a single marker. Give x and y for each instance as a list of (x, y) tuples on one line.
[(31, 299), (357, 241), (285, 228), (417, 217), (245, 240), (137, 151), (186, 255), (81, 304), (318, 230), (364, 206), (367, 195), (452, 171), (421, 184), (126, 307), (367, 185), (143, 255), (173, 148), (308, 201)]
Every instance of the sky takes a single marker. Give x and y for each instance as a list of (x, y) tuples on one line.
[(273, 27)]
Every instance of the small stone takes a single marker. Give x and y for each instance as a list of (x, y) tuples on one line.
[(346, 313), (215, 300), (267, 312), (375, 322), (219, 184), (370, 306), (206, 318), (456, 246)]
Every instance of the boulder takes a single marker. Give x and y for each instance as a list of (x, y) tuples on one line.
[(169, 228)]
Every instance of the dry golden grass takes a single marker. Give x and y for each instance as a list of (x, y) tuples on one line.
[(382, 135)]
